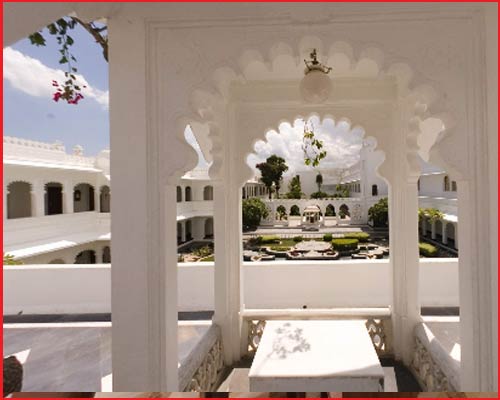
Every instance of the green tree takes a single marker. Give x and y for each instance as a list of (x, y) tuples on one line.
[(432, 213), (272, 172), (8, 259), (253, 210), (319, 181), (294, 188), (379, 213)]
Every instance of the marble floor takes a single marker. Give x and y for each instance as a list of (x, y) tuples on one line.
[(75, 356)]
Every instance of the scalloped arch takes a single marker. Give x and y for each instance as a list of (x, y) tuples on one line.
[(284, 60)]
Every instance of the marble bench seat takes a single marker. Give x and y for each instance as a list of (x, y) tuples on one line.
[(312, 355)]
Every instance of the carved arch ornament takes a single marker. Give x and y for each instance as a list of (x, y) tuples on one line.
[(204, 78)]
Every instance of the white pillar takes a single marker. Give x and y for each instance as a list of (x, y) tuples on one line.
[(37, 199), (144, 281), (423, 226), (97, 198), (228, 258), (183, 231), (98, 255), (403, 231), (444, 234), (68, 207), (433, 229)]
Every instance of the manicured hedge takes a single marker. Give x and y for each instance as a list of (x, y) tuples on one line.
[(327, 237), (345, 245), (268, 239), (298, 239), (427, 250), (363, 237)]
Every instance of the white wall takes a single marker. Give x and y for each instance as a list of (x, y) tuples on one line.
[(57, 289)]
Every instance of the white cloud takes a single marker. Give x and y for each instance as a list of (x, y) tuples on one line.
[(342, 144), (32, 77)]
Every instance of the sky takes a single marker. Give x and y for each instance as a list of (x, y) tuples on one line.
[(341, 143), (31, 113)]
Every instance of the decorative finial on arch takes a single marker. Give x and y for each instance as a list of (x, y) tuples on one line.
[(315, 65)]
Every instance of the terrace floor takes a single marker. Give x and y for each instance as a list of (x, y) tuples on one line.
[(76, 356)]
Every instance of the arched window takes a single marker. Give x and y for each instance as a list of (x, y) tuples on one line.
[(330, 211), (453, 186), (187, 194), (281, 212), (374, 190), (85, 257), (18, 200), (179, 194), (106, 255), (208, 193), (209, 228), (83, 198), (53, 198), (344, 211), (295, 210), (105, 199), (446, 184), (244, 194)]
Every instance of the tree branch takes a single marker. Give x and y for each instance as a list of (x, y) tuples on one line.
[(96, 33)]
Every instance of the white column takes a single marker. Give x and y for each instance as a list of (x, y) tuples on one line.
[(444, 234), (144, 281), (37, 199), (228, 258), (183, 231), (433, 229), (423, 227), (97, 198), (98, 255), (403, 231), (68, 206)]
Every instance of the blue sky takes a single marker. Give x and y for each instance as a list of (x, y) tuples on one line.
[(30, 112)]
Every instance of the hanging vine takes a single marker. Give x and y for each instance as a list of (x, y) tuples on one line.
[(312, 147)]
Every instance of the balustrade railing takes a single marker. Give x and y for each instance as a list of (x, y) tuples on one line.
[(378, 324)]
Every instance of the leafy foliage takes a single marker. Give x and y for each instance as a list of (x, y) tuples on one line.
[(427, 250), (253, 210), (319, 195), (272, 172), (312, 147), (327, 237), (298, 239), (432, 213), (268, 239), (8, 259), (361, 236), (319, 181), (294, 188), (281, 210), (203, 252), (345, 244), (379, 213), (70, 89)]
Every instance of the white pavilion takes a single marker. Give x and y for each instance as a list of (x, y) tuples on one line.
[(420, 79)]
